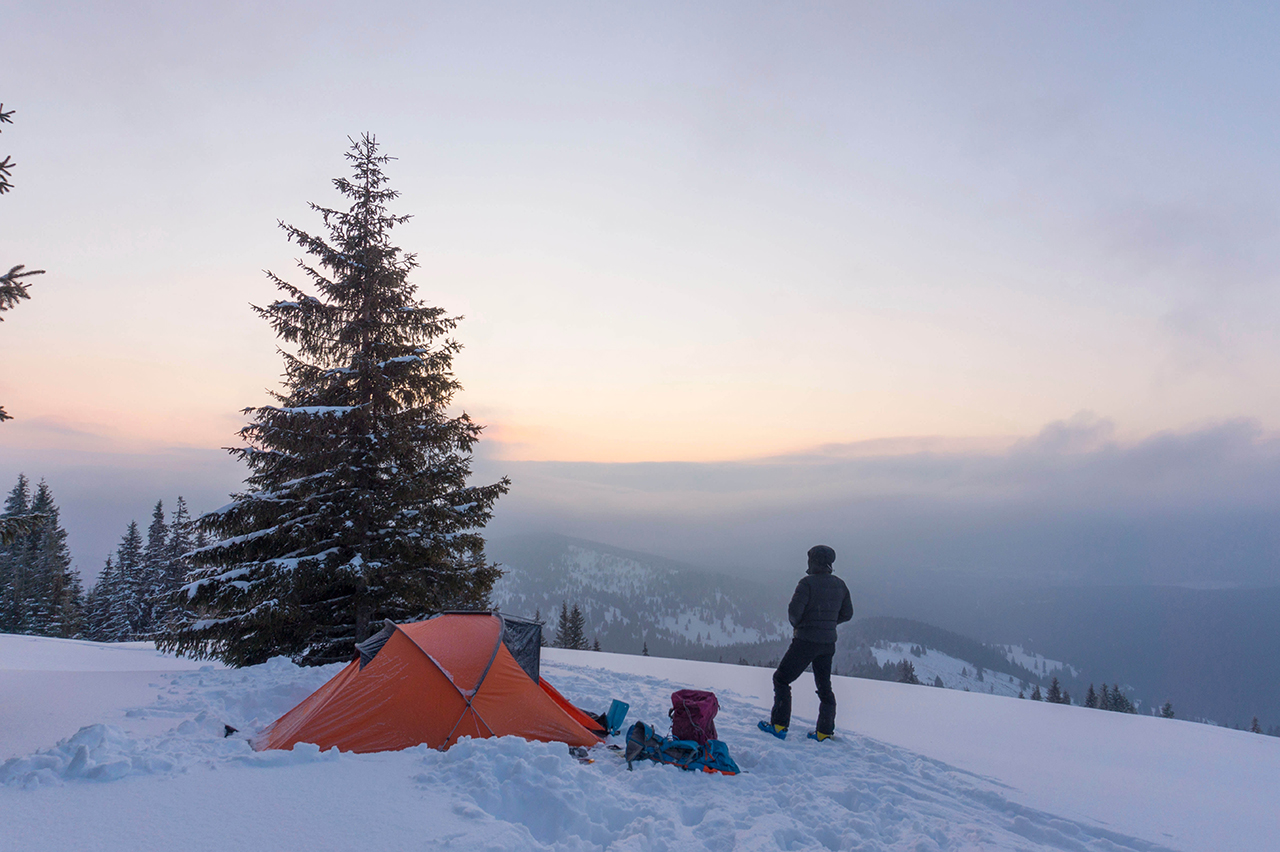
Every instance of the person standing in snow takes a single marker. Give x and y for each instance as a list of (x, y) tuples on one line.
[(820, 603)]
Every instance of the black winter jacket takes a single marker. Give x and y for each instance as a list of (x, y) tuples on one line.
[(820, 603)]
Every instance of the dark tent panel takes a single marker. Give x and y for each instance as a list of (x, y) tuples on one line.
[(369, 648), (523, 638)]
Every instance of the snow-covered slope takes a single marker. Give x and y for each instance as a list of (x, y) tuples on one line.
[(632, 599), (956, 673), (914, 769), (1038, 662)]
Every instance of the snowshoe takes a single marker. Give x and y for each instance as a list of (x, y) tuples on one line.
[(820, 737), (773, 730)]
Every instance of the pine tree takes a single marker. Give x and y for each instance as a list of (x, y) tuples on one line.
[(1055, 692), (169, 604), (109, 606), (54, 595), (1255, 727), (12, 290), (115, 605), (153, 573), (15, 557), (1120, 702), (907, 672), (95, 612), (543, 641), (1091, 698), (563, 630), (595, 646), (357, 507), (7, 164), (1167, 710), (577, 630), (131, 604), (40, 593), (91, 620), (1035, 694)]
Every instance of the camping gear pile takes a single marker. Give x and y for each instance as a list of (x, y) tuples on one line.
[(692, 744)]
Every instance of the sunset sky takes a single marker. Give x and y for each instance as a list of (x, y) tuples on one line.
[(724, 235)]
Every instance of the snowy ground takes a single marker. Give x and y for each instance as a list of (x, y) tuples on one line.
[(50, 688), (915, 769)]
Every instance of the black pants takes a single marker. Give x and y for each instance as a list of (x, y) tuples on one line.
[(798, 656)]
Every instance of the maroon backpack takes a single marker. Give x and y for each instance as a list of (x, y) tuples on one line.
[(693, 714)]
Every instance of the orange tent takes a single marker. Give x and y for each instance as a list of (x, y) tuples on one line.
[(433, 682)]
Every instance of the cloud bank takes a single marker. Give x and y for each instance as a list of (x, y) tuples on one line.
[(1073, 503)]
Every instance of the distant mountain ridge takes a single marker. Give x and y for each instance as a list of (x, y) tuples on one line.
[(1214, 653), (884, 629), (632, 599)]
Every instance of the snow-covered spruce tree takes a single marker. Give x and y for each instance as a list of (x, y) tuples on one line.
[(151, 577), (114, 609), (40, 593), (95, 613), (15, 551), (108, 607), (55, 596), (130, 606), (174, 565), (357, 507)]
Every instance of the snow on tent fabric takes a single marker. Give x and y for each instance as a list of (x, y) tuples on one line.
[(434, 682)]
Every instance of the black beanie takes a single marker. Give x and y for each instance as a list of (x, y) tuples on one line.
[(822, 554)]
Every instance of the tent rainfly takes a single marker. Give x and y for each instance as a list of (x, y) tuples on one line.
[(459, 674)]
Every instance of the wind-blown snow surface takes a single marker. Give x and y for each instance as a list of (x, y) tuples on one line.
[(915, 768)]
